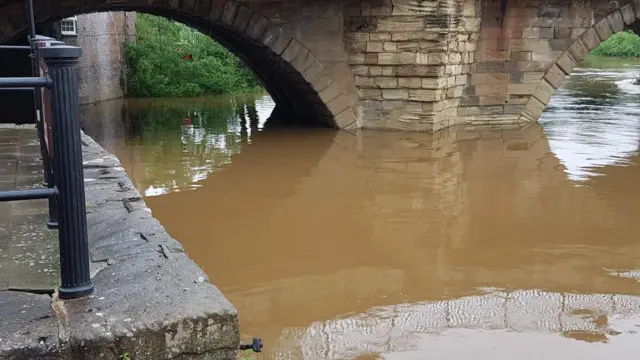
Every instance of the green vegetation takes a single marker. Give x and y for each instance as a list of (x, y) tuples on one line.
[(622, 44), (170, 59)]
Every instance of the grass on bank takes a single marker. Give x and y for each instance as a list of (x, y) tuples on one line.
[(170, 59)]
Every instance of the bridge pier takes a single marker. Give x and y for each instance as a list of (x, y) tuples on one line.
[(414, 65)]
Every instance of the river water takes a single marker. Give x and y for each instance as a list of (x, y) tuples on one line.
[(491, 245)]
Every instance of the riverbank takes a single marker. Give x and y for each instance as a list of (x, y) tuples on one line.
[(151, 301)]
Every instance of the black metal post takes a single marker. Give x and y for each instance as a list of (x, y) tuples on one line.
[(62, 64), (32, 19)]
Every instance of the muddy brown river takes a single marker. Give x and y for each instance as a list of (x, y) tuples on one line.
[(513, 244)]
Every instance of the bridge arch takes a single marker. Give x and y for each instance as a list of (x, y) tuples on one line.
[(617, 16), (305, 92)]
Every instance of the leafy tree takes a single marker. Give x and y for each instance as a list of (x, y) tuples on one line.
[(170, 59), (622, 44)]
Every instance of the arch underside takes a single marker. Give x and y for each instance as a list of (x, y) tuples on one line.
[(300, 85)]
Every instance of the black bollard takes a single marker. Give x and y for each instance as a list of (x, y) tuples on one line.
[(62, 64)]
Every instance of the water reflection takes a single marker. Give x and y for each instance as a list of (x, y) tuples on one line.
[(592, 121), (402, 246)]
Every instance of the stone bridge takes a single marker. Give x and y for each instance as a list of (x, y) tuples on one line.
[(417, 65)]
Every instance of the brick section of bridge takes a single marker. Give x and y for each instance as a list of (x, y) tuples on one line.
[(418, 65)]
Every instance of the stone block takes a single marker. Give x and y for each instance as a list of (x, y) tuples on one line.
[(615, 19), (566, 63), (216, 10), (513, 109), (603, 29), (358, 37), (533, 110), (399, 58), (424, 95), (531, 65), (521, 89), (257, 26), (375, 70), (492, 66), (303, 61), (577, 32), (493, 99), (628, 14), (529, 45), (369, 94), (578, 50), (469, 100), (492, 110), (361, 70), (544, 92), (317, 76), (291, 51), (401, 24), (345, 118), (491, 88), (546, 33), (330, 92), (521, 56), (415, 35), (546, 56), (364, 81), (276, 39), (417, 70), (243, 16), (371, 58), (229, 12), (636, 5), (389, 46), (469, 110), (590, 39), (354, 46), (380, 37), (489, 78), (354, 59), (373, 46), (493, 55), (517, 99), (555, 76), (386, 82), (389, 70), (395, 94), (410, 46), (531, 33), (410, 82), (560, 44), (434, 83), (339, 104), (532, 77)]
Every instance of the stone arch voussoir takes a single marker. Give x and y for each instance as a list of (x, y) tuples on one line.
[(274, 54), (608, 25)]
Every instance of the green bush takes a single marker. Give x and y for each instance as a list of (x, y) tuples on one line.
[(622, 44), (158, 67)]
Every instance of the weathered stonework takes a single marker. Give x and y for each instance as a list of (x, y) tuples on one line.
[(419, 65)]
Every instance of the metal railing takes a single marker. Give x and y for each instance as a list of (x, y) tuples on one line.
[(55, 87)]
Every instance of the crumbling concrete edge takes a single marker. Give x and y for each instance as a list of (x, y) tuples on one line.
[(150, 302)]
